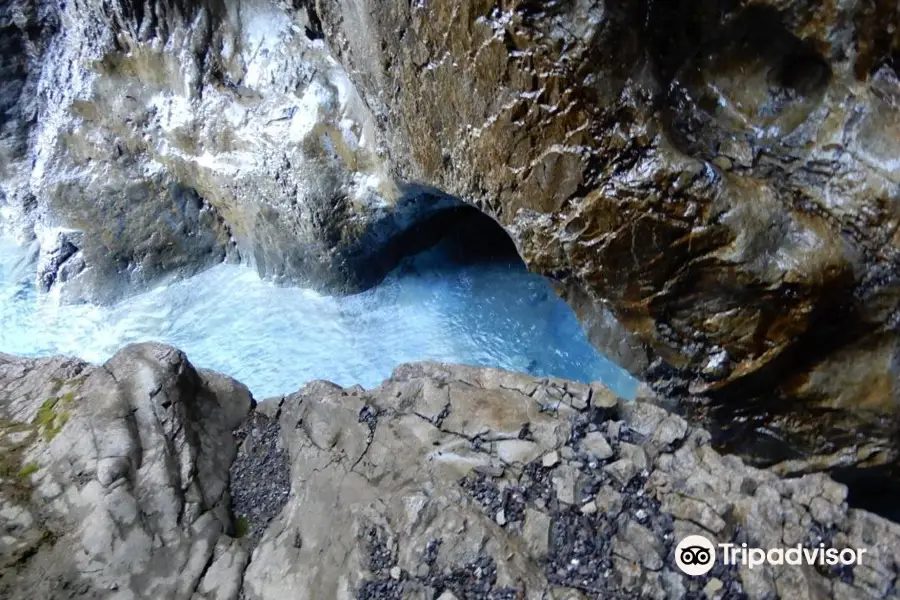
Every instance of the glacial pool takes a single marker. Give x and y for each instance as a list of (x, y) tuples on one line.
[(274, 339)]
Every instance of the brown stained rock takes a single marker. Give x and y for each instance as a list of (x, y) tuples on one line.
[(713, 188)]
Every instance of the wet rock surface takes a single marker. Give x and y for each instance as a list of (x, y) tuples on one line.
[(713, 185), (148, 144), (123, 481)]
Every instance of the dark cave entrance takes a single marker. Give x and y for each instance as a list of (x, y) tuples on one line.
[(874, 489), (468, 236), (430, 222)]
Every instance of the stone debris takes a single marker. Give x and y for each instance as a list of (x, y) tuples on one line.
[(551, 459), (260, 474), (597, 446)]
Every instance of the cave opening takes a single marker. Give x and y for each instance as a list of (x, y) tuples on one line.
[(874, 489), (458, 258), (449, 231), (467, 236)]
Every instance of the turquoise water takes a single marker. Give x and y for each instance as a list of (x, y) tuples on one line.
[(274, 339)]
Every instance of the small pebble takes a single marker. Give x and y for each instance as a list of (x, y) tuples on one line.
[(713, 587), (551, 459), (396, 572)]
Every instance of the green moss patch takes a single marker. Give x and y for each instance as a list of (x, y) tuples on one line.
[(14, 476), (28, 470), (242, 527), (50, 419)]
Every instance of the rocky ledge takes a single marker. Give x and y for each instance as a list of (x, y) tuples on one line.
[(148, 478)]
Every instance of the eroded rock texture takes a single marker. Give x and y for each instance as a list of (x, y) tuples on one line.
[(114, 480), (713, 185), (715, 182), (144, 141), (459, 482), (123, 481)]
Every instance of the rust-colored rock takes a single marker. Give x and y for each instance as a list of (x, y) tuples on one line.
[(717, 183)]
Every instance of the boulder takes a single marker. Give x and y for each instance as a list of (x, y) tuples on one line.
[(115, 478)]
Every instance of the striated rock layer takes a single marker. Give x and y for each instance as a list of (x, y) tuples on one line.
[(715, 183), (444, 482)]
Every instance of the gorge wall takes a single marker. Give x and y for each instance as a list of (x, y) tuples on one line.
[(714, 182), (713, 186), (142, 142)]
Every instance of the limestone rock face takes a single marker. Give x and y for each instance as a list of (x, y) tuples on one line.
[(462, 482), (143, 142), (714, 186), (123, 481), (115, 478)]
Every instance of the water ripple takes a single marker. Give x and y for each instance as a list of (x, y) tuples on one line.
[(274, 339)]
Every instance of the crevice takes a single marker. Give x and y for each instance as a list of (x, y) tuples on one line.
[(314, 29)]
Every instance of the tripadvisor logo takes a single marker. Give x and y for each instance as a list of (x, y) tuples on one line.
[(696, 555)]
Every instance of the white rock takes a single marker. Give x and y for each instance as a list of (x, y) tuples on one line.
[(596, 445), (551, 459)]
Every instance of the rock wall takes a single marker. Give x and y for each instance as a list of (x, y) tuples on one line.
[(149, 141), (713, 185), (444, 482)]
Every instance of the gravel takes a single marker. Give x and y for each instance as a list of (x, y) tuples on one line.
[(260, 475)]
